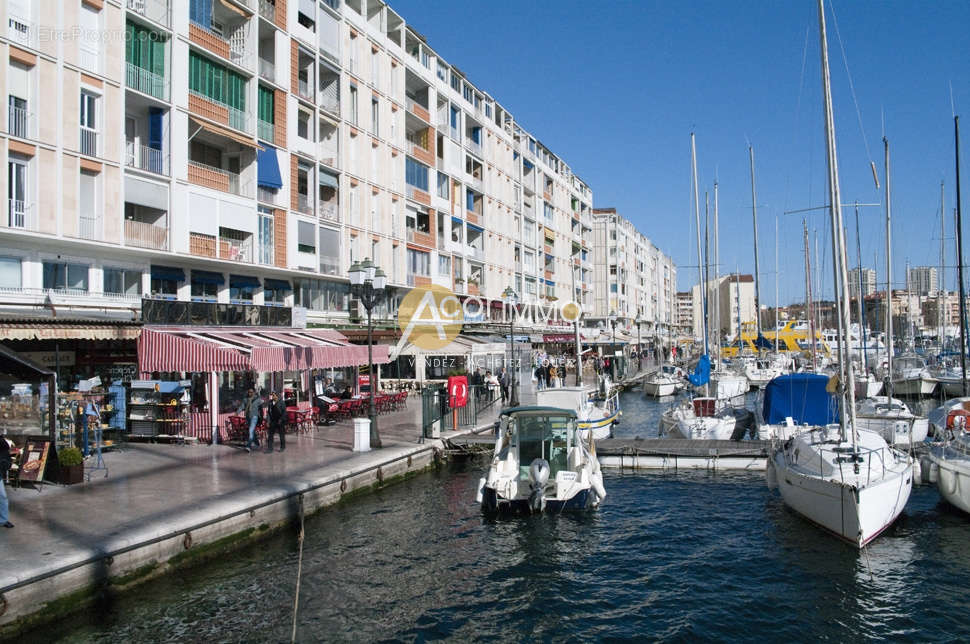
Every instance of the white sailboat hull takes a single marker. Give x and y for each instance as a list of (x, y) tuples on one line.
[(920, 386), (954, 476), (706, 428), (855, 514), (896, 430), (659, 387)]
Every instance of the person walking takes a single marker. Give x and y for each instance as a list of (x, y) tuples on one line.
[(5, 463), (276, 417), (553, 375), (504, 381), (540, 377), (252, 408)]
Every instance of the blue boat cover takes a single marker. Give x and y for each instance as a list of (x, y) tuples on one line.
[(702, 372), (268, 169), (803, 397), (762, 342)]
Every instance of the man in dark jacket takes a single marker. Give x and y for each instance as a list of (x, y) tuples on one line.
[(5, 464), (276, 415), (252, 408)]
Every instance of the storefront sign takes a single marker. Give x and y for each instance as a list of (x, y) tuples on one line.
[(51, 358), (363, 383), (34, 460), (457, 391), (558, 337)]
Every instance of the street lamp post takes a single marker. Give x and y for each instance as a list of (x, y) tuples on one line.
[(612, 319), (368, 284), (638, 322), (511, 299)]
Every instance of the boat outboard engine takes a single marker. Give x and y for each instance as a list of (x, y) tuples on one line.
[(538, 477)]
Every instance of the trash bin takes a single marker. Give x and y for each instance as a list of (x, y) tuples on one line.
[(362, 434)]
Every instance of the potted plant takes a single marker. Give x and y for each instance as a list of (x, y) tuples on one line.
[(72, 465)]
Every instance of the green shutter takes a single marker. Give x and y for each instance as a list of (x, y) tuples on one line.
[(235, 90), (157, 55), (130, 43), (266, 105)]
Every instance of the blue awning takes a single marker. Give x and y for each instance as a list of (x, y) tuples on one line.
[(549, 282), (208, 277), (168, 273), (457, 220), (476, 228), (327, 179), (268, 169), (276, 285), (242, 281)]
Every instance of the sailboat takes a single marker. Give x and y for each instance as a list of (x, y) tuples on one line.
[(667, 379), (838, 476), (951, 458)]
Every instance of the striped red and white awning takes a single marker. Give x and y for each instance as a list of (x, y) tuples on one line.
[(262, 349)]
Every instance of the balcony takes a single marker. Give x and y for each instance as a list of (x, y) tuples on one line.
[(89, 227), (20, 215), (267, 70), (144, 235), (235, 246), (328, 211), (219, 112), (142, 157), (155, 10), (303, 89), (420, 153), (146, 82), (265, 131), (267, 10), (330, 103), (265, 195), (88, 141), (21, 30), (304, 204), (419, 195), (215, 178), (474, 252), (18, 121), (202, 245), (473, 147), (418, 110)]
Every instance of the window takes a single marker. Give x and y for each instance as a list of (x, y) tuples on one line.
[(488, 110), (62, 275), (306, 15), (375, 117), (205, 285), (443, 183), (18, 86), (353, 104), (418, 262), (329, 251), (89, 211), (444, 265), (10, 272), (265, 236), (121, 281), (217, 83), (303, 125), (164, 284), (416, 174), (306, 237), (467, 92), (375, 71), (89, 41), (242, 288), (354, 203), (455, 82), (442, 72), (266, 105), (322, 295), (17, 191), (89, 123), (275, 291)]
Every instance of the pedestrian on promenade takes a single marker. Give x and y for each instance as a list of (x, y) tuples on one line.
[(252, 408), (539, 375), (504, 381), (477, 384), (276, 416), (5, 463), (553, 376)]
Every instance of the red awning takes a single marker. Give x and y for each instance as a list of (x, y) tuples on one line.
[(264, 349)]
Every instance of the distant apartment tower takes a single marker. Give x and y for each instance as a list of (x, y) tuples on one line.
[(922, 280), (868, 279), (685, 310)]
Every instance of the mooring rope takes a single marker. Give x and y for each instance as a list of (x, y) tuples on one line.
[(299, 572)]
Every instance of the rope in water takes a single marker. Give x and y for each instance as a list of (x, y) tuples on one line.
[(299, 572)]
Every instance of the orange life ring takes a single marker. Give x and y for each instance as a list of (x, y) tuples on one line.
[(954, 414)]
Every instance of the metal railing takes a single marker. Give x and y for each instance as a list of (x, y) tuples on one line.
[(18, 121), (89, 228), (238, 250), (143, 157), (68, 292), (146, 82), (156, 10), (143, 235), (217, 178), (265, 131), (18, 214), (435, 407), (330, 103), (304, 204), (267, 10), (238, 41), (88, 141), (266, 195), (267, 70), (236, 118), (303, 89)]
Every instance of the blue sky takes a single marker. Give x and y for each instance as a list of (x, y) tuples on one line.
[(616, 88)]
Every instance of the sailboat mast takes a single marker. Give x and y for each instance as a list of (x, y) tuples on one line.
[(941, 282), (697, 221), (808, 296), (889, 278), (757, 273), (963, 302), (776, 283), (717, 278), (862, 328), (841, 284), (707, 263)]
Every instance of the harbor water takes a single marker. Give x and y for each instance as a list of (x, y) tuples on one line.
[(667, 557)]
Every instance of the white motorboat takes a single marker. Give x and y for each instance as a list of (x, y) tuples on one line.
[(666, 381), (950, 379), (542, 462), (706, 419), (854, 490), (761, 371), (892, 419), (597, 409), (911, 377)]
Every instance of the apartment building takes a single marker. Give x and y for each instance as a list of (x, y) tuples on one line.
[(684, 311), (249, 151), (866, 276), (922, 280), (632, 277), (730, 302)]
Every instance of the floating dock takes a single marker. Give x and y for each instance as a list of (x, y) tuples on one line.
[(661, 453)]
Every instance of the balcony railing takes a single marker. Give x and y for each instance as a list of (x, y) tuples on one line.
[(330, 103), (265, 131), (474, 252), (328, 211), (417, 150), (156, 10), (146, 82), (303, 204), (265, 195), (89, 228), (267, 10), (267, 70), (143, 157), (19, 215), (89, 141), (475, 148), (143, 235), (303, 89), (18, 122), (216, 178), (222, 112), (237, 250)]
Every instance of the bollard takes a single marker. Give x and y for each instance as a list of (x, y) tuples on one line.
[(362, 434)]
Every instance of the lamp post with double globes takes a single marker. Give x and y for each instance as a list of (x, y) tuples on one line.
[(612, 320), (510, 298), (368, 284), (638, 322)]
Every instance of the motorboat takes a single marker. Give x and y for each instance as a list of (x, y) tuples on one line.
[(542, 462), (726, 385), (705, 418), (795, 403), (665, 381), (945, 417), (761, 371), (911, 377), (867, 385), (854, 489), (597, 408), (892, 419)]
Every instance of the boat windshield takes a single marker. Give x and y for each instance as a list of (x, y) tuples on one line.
[(544, 436)]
